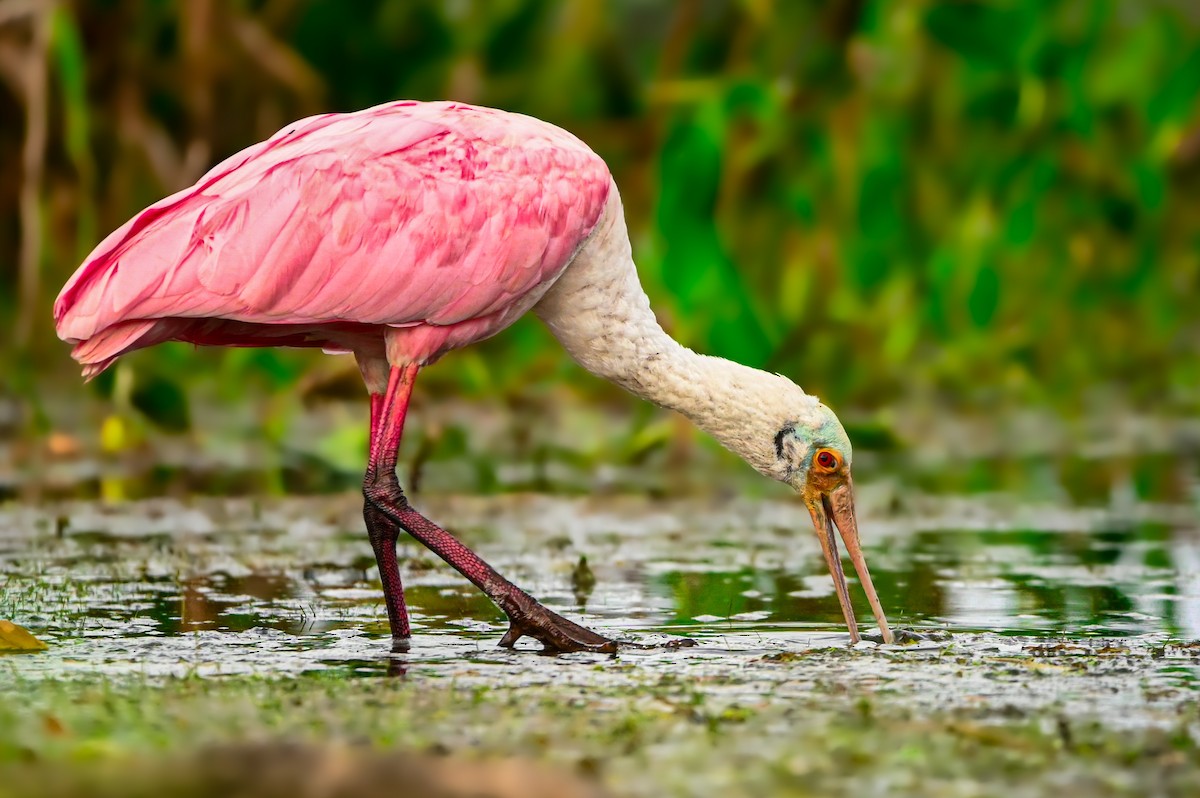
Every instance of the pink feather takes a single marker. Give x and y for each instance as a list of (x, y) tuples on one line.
[(444, 220)]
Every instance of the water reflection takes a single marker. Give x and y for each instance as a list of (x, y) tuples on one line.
[(250, 589), (1137, 580), (1132, 581)]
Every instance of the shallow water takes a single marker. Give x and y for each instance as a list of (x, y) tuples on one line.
[(1105, 601)]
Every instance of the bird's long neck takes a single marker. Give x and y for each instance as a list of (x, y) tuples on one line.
[(599, 312)]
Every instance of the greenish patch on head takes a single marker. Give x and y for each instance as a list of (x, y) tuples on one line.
[(830, 434), (798, 440)]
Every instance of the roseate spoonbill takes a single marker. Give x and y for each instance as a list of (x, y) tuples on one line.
[(403, 231)]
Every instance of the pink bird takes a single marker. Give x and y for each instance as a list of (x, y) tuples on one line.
[(404, 231)]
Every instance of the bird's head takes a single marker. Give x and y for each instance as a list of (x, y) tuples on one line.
[(814, 456)]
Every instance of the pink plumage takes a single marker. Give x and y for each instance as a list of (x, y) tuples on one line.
[(406, 230), (442, 221)]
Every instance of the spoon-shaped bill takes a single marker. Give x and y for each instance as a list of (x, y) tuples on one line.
[(837, 508)]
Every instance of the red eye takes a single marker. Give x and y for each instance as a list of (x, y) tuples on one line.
[(827, 460)]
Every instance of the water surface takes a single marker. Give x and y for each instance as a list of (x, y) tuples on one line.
[(1108, 600)]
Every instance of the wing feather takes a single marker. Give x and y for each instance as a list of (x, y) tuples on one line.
[(402, 214)]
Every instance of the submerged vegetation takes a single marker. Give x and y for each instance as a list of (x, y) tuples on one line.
[(1059, 649)]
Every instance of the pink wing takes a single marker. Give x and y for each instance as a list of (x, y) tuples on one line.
[(434, 214)]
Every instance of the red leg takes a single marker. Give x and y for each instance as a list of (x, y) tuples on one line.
[(383, 493), (383, 532)]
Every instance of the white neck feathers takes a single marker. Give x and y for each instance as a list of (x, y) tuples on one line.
[(599, 312)]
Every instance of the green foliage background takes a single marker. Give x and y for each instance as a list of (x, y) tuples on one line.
[(979, 204)]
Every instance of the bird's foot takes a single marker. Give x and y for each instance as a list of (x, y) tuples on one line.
[(674, 644), (528, 618), (906, 637)]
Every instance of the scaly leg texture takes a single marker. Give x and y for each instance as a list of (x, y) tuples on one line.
[(383, 532), (385, 498)]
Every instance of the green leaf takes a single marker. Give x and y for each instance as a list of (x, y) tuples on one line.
[(985, 295), (1176, 96), (985, 34), (1022, 224), (714, 299), (69, 60), (1151, 185), (67, 51), (1125, 71), (880, 204)]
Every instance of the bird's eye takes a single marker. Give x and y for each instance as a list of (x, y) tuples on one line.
[(827, 460)]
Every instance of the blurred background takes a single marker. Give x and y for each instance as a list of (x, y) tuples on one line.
[(969, 227)]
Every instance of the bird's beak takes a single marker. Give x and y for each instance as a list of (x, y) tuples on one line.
[(837, 507)]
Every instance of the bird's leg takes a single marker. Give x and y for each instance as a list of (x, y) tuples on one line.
[(383, 532), (382, 491)]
